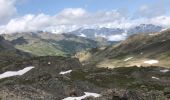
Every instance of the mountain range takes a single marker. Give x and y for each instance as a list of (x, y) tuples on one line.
[(116, 34), (42, 66), (45, 43)]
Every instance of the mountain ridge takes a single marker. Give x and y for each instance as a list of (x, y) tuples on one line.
[(138, 47), (41, 44), (116, 34)]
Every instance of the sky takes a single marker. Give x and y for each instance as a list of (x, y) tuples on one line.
[(67, 15), (54, 6)]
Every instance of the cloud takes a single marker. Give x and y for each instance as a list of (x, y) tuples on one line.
[(161, 20), (71, 19), (27, 23), (159, 8), (66, 20), (73, 12), (118, 37), (7, 10), (158, 20), (146, 11), (79, 16)]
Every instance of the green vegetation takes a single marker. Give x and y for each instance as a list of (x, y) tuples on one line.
[(45, 44), (118, 78), (40, 49), (110, 80)]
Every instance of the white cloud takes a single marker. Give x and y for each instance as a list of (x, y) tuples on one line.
[(73, 18), (161, 20), (27, 23), (7, 10), (66, 20), (154, 10), (118, 37), (158, 20), (72, 12)]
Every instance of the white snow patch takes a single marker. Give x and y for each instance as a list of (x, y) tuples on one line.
[(15, 73), (100, 35), (153, 77), (82, 35), (54, 43), (128, 58), (141, 53), (138, 65), (163, 40), (152, 34), (65, 72), (49, 63), (163, 29), (164, 70), (87, 94), (151, 62)]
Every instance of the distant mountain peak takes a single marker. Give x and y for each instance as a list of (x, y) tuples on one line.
[(107, 33)]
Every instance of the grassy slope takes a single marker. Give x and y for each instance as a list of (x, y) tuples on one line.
[(42, 44), (40, 49), (141, 47)]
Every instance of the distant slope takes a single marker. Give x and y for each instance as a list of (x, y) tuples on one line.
[(137, 49), (42, 44)]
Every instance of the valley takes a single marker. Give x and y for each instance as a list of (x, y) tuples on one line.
[(134, 69), (84, 50)]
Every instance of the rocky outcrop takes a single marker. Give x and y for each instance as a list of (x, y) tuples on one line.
[(44, 81)]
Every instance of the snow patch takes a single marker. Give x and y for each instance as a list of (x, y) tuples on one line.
[(99, 35), (153, 34), (15, 73), (49, 63), (87, 94), (164, 70), (151, 62), (65, 72), (153, 77), (128, 58), (138, 65), (82, 35), (163, 29), (163, 40)]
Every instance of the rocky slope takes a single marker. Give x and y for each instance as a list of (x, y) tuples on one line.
[(8, 53), (44, 81), (58, 77), (133, 51)]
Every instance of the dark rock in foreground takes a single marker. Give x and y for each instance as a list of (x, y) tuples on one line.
[(45, 83)]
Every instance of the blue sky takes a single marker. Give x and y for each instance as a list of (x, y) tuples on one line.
[(68, 15), (54, 6)]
